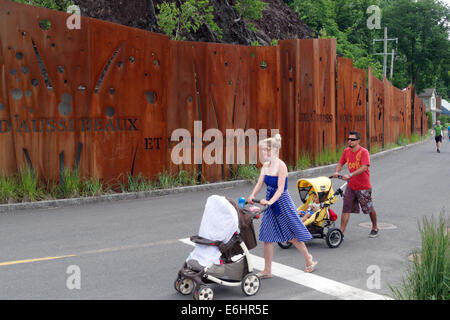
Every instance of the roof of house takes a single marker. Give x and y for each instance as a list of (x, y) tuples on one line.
[(445, 107), (428, 92)]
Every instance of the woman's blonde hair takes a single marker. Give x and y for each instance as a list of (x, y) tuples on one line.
[(272, 143)]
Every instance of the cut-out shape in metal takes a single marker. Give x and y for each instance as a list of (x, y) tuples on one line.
[(110, 112), (151, 97), (65, 107), (17, 94)]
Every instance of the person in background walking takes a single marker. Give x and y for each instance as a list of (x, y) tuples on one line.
[(359, 189), (438, 135), (448, 132)]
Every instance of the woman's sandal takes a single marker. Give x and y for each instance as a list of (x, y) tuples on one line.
[(312, 266), (262, 275)]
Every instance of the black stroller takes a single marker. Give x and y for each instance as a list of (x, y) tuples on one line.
[(235, 267)]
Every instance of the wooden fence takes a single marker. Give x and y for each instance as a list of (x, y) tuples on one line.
[(106, 98)]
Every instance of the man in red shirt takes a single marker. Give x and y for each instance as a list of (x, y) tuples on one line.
[(359, 189)]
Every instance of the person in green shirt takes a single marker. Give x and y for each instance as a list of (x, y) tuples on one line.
[(438, 135)]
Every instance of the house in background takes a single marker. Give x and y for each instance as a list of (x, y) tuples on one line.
[(431, 99), (445, 107)]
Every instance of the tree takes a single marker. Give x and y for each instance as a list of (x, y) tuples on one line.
[(422, 28), (176, 21), (345, 20), (60, 5), (250, 10)]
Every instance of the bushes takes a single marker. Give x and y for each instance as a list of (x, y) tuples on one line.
[(177, 22), (60, 5), (428, 278)]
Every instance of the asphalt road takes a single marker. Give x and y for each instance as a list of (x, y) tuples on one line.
[(132, 249)]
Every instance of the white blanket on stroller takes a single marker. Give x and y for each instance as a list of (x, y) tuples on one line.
[(219, 223)]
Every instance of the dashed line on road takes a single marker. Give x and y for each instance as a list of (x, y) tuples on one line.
[(104, 250), (8, 263), (313, 281)]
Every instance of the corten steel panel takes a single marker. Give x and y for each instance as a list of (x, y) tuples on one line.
[(182, 100), (376, 111), (7, 155), (402, 97), (351, 108), (326, 98), (388, 112), (345, 106), (306, 95), (394, 109), (218, 84), (265, 92), (214, 85), (289, 51), (417, 114), (400, 110), (424, 118), (128, 105), (359, 103), (408, 113), (237, 113), (44, 70)]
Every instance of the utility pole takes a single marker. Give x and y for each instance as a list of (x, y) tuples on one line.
[(385, 52), (392, 63)]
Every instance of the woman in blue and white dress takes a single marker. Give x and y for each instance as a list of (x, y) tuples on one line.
[(280, 222)]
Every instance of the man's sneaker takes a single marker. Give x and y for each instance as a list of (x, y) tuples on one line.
[(439, 151), (373, 234)]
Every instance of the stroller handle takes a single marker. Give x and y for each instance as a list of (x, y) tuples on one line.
[(258, 214), (338, 177)]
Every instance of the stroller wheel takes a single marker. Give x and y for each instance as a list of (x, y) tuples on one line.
[(334, 238), (285, 244), (250, 284), (203, 292), (184, 285)]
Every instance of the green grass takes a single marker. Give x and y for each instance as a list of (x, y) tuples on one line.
[(137, 184), (28, 185), (428, 278), (415, 137), (8, 189), (304, 161), (375, 149), (164, 180), (391, 145), (71, 187), (246, 172), (403, 141), (92, 187)]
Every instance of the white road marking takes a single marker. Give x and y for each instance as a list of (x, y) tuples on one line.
[(313, 281)]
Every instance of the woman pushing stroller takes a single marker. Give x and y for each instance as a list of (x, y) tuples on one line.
[(281, 221)]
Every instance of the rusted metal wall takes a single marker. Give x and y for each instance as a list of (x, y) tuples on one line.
[(424, 118), (407, 114), (106, 98), (376, 111), (397, 112), (308, 96), (418, 110), (7, 157), (351, 101)]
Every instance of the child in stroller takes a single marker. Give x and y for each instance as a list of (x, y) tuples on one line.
[(313, 207), (221, 254)]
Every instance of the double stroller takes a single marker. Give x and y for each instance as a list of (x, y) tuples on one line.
[(221, 254), (321, 224)]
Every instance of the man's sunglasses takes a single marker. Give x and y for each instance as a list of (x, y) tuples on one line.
[(353, 139)]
